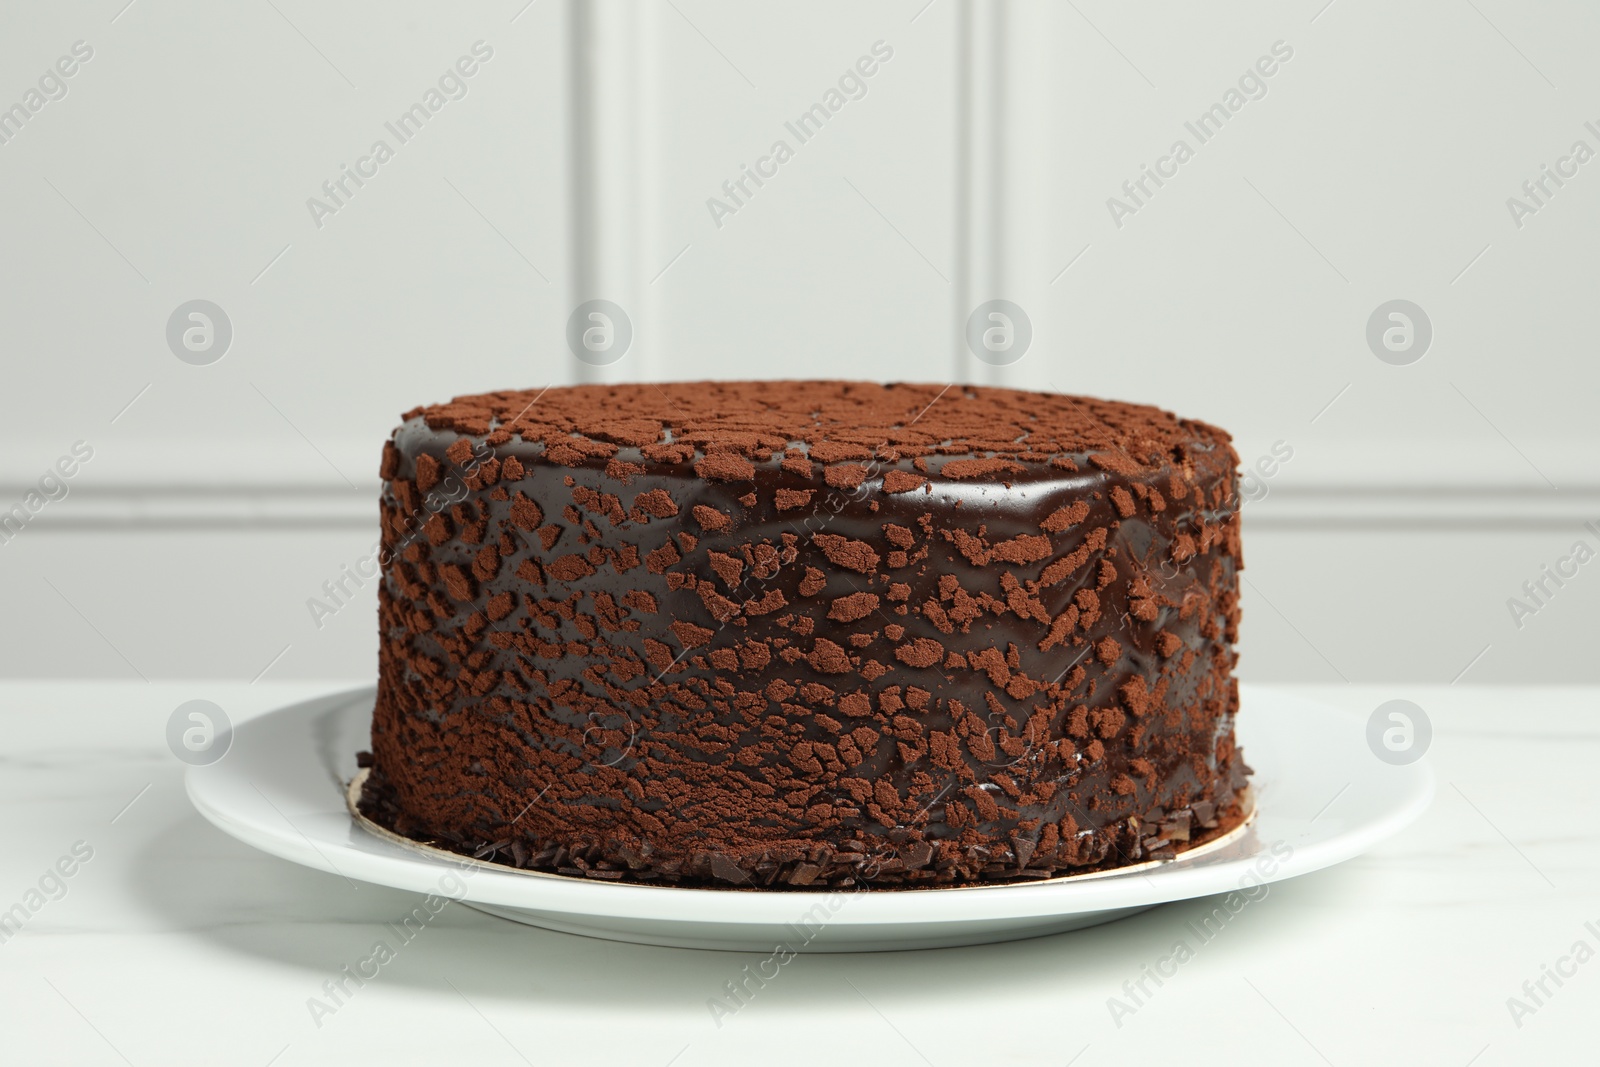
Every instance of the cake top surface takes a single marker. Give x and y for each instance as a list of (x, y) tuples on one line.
[(828, 421)]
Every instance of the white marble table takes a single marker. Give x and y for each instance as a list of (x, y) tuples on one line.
[(173, 944)]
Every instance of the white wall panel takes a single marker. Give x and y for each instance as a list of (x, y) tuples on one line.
[(1376, 163)]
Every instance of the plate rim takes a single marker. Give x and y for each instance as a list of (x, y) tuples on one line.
[(407, 869)]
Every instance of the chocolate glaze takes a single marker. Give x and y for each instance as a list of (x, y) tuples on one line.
[(1008, 670)]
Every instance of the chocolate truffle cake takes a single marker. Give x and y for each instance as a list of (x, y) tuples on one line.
[(806, 634)]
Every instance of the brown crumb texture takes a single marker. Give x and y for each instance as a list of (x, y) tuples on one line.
[(794, 635)]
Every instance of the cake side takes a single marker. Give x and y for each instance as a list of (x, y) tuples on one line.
[(795, 634)]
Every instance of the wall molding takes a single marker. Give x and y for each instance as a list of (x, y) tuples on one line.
[(249, 483), (1425, 507), (312, 507)]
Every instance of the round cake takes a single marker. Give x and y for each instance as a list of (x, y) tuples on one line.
[(806, 634)]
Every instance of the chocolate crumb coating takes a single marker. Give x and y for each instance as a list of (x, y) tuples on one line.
[(807, 634)]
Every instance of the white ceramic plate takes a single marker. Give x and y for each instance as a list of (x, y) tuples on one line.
[(1321, 798)]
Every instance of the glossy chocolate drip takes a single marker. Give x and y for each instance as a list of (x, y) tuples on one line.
[(921, 663)]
